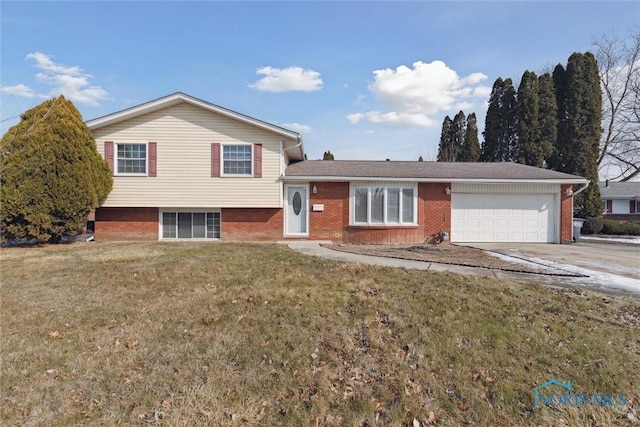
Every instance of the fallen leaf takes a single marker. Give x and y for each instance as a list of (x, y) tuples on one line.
[(462, 407), (432, 417), (476, 376)]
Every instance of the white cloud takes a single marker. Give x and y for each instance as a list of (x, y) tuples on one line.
[(392, 117), (297, 127), (70, 81), (18, 90), (414, 96), (287, 79)]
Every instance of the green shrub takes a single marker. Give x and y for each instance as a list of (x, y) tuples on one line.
[(592, 225), (620, 227), (51, 174)]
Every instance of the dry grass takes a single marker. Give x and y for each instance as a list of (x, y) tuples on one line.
[(239, 334)]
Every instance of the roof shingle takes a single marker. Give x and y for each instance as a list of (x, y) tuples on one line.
[(423, 170)]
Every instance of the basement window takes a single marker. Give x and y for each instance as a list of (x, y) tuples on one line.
[(190, 225)]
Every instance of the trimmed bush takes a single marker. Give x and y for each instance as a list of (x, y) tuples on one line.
[(592, 225), (51, 174), (621, 228)]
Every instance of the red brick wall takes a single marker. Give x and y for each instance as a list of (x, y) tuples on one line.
[(566, 215), (126, 224), (434, 207), (333, 221), (261, 224), (434, 210)]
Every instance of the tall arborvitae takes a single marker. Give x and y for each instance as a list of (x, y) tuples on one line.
[(51, 174), (471, 149), (548, 121), (445, 150), (509, 121), (528, 150), (500, 133), (458, 130), (557, 160), (584, 117), (492, 125)]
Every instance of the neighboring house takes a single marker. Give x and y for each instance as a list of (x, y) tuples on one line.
[(184, 168), (621, 199)]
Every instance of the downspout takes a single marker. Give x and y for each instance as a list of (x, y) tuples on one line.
[(289, 148), (581, 189), (283, 167)]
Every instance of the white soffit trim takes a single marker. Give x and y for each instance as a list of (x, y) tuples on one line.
[(178, 98), (436, 180)]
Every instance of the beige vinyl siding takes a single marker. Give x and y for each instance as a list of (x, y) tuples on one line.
[(184, 134)]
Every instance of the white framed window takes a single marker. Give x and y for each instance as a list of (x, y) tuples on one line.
[(131, 158), (237, 160), (178, 224), (383, 205)]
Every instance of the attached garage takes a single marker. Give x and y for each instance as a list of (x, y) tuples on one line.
[(505, 213)]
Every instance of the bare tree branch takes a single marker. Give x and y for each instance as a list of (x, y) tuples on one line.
[(619, 62)]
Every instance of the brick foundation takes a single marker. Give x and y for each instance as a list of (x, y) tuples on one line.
[(126, 224)]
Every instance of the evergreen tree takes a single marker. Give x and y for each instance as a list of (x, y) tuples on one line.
[(327, 156), (500, 134), (471, 148), (51, 174), (581, 148), (458, 131), (445, 150), (548, 118), (560, 88), (509, 121), (529, 151)]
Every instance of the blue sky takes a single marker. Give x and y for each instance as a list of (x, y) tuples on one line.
[(366, 80)]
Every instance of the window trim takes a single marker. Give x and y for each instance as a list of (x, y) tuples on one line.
[(251, 159), (116, 158), (205, 211), (386, 186)]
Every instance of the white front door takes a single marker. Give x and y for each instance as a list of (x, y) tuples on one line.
[(296, 215)]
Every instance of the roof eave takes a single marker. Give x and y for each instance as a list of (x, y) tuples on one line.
[(436, 180), (174, 99)]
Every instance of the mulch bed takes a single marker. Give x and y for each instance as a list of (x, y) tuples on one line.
[(449, 254)]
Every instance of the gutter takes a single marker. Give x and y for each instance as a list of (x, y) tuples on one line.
[(581, 189), (290, 148), (441, 180)]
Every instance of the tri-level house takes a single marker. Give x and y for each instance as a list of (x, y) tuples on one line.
[(188, 169)]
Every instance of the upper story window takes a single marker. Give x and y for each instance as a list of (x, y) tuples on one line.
[(382, 205), (237, 160), (131, 159)]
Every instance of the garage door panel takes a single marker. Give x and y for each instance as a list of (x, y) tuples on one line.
[(502, 217)]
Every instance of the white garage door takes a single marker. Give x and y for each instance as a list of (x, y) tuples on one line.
[(502, 218)]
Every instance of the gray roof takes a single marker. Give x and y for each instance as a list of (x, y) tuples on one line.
[(424, 171), (619, 190)]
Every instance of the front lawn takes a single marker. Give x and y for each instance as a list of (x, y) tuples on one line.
[(241, 334)]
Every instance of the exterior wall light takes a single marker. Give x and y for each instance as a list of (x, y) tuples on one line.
[(447, 191), (314, 189), (569, 191)]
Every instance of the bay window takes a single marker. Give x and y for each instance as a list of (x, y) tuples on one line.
[(383, 205)]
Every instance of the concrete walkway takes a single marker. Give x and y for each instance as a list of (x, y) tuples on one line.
[(314, 248)]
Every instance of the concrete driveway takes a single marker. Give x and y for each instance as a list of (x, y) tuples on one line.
[(608, 266)]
